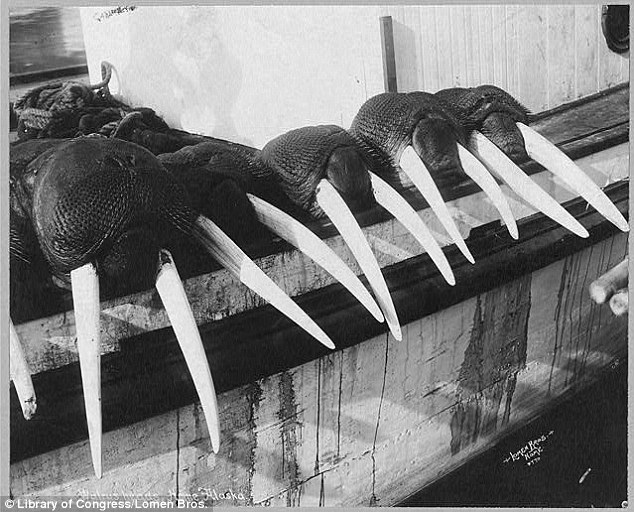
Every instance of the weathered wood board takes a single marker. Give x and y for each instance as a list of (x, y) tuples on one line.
[(50, 343), (374, 422), (544, 55)]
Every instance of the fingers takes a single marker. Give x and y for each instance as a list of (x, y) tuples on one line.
[(619, 302), (342, 218), (392, 201), (609, 283), (503, 167), (310, 244), (230, 256), (479, 174), (85, 290), (416, 170), (552, 158), (172, 293), (21, 375)]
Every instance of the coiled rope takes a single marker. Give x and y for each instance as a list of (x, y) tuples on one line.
[(51, 105)]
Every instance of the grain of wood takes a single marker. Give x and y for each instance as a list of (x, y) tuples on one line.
[(561, 54), (586, 48), (498, 35), (458, 46), (544, 55), (332, 430)]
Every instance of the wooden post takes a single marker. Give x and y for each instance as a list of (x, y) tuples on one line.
[(387, 48)]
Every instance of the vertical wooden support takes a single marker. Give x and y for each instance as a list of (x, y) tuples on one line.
[(387, 50)]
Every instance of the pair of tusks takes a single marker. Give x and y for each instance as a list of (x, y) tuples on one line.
[(492, 161), (85, 291), (343, 219)]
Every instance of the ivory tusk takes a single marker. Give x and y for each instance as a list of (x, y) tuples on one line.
[(21, 375), (416, 170), (503, 167), (310, 244), (556, 161), (392, 201), (342, 218), (479, 174), (172, 293), (230, 256), (85, 290)]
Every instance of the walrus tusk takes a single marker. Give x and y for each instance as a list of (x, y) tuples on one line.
[(310, 244), (170, 288), (21, 375), (556, 161), (230, 256), (479, 174), (394, 203), (85, 290), (502, 166), (416, 170), (342, 218)]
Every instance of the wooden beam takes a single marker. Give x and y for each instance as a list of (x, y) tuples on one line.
[(368, 424), (147, 375)]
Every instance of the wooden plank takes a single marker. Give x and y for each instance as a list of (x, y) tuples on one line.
[(458, 45), (561, 54), (444, 51), (556, 53), (429, 48), (512, 49), (473, 47), (498, 37), (405, 44), (346, 429), (533, 87), (485, 43), (148, 376), (586, 40), (585, 116)]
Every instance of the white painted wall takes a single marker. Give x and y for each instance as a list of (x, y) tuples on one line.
[(250, 73), (246, 73)]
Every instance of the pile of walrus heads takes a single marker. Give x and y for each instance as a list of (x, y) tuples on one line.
[(109, 210)]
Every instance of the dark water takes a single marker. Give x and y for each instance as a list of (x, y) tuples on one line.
[(45, 38), (574, 456)]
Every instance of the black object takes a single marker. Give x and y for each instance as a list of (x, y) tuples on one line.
[(615, 23)]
